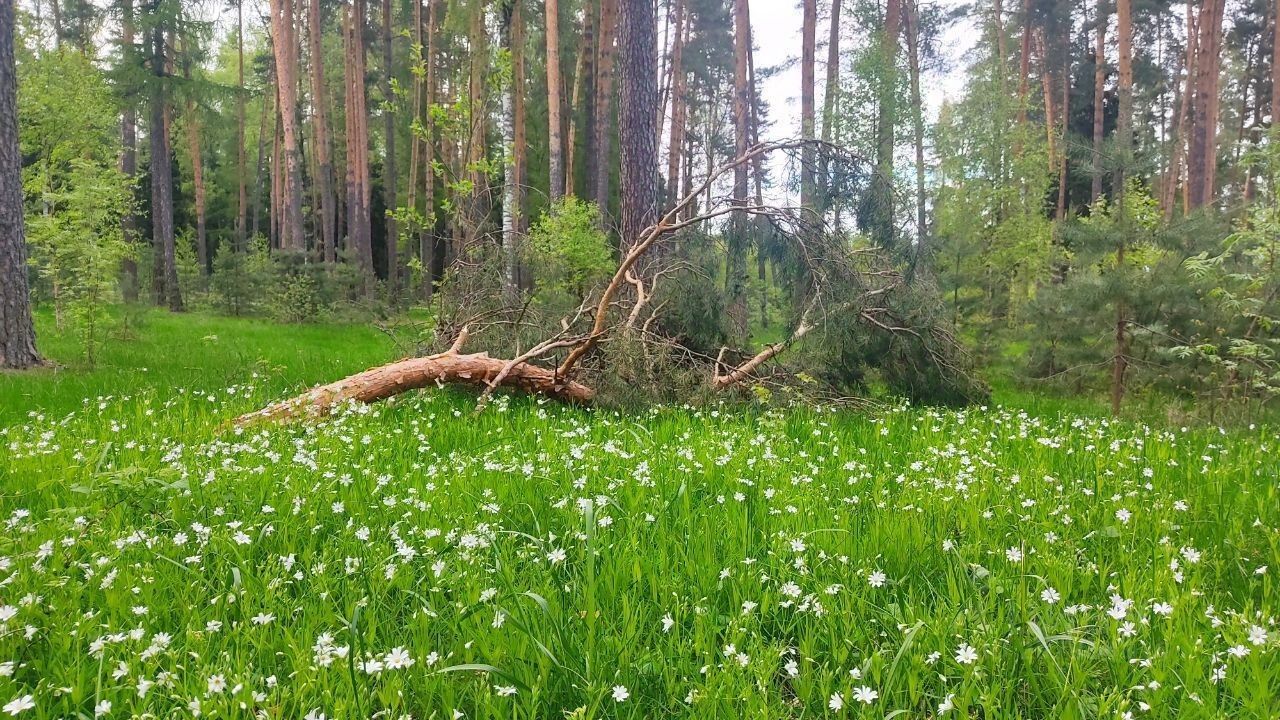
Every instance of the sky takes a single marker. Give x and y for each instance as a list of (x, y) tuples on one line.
[(777, 33)]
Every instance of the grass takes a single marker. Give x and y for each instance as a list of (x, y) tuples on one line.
[(415, 559), (164, 352)]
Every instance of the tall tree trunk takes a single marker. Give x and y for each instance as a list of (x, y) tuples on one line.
[(162, 180), (1177, 153), (1275, 68), (555, 140), (129, 161), (1063, 155), (359, 237), (575, 100), (389, 171), (242, 198), (736, 275), (275, 214), (1099, 79), (679, 106), (17, 330), (197, 179), (882, 214), (513, 141), (1024, 66), (808, 53), (1202, 152), (478, 202), (1124, 123), (428, 239), (638, 136), (284, 40), (320, 128), (599, 161), (832, 89), (268, 100), (917, 120)]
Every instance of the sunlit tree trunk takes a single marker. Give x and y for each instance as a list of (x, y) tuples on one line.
[(320, 129), (359, 192), (284, 40), (555, 139), (1124, 123), (832, 88)]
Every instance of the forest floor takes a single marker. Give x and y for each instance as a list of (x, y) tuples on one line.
[(416, 559)]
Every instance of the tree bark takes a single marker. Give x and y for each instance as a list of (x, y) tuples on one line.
[(679, 105), (1202, 151), (428, 239), (379, 383), (1275, 67), (242, 198), (129, 161), (268, 99), (389, 172), (831, 89), (1124, 123), (881, 217), (808, 52), (320, 128), (736, 276), (599, 161), (197, 179), (1099, 79), (917, 118), (513, 141), (17, 330), (555, 92), (284, 40), (581, 104), (637, 121), (359, 191), (168, 292)]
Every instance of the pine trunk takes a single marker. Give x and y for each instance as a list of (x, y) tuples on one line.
[(17, 330), (1099, 79), (359, 195), (808, 53), (284, 34), (1124, 123), (320, 129), (1202, 151), (637, 121), (832, 88), (599, 160), (555, 139), (739, 231), (128, 163), (679, 106), (389, 172), (242, 196), (167, 292)]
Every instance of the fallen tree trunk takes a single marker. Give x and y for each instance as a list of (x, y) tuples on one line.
[(415, 373)]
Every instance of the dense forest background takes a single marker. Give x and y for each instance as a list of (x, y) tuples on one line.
[(1097, 212)]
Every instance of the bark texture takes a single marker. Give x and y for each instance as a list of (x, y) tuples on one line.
[(637, 122), (17, 332)]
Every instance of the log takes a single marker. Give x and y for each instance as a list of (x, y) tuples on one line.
[(451, 367)]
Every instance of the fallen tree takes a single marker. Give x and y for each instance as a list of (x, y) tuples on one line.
[(833, 279)]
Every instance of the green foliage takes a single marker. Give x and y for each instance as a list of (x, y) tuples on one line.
[(569, 251), (77, 245), (714, 564)]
